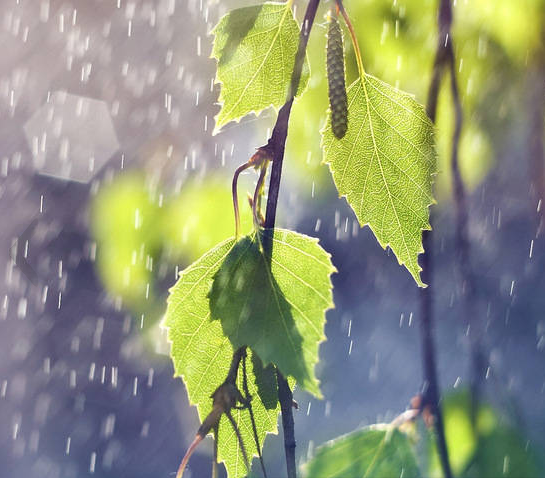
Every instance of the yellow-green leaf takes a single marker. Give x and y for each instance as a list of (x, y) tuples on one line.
[(202, 348), (276, 306), (202, 354), (384, 166), (372, 452), (255, 48)]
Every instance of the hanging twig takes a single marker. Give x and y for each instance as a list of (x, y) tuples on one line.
[(256, 201), (276, 146), (259, 160), (430, 397), (224, 398), (462, 243)]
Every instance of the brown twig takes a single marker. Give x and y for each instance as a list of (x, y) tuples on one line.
[(276, 146), (430, 397), (215, 462), (224, 398), (256, 201), (277, 142)]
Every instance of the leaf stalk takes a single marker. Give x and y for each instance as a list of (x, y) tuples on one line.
[(353, 36)]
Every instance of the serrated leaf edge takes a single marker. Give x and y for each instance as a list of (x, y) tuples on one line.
[(283, 232), (181, 375), (256, 112), (329, 306), (326, 127)]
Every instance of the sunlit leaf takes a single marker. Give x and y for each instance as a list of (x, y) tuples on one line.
[(202, 348), (373, 452), (504, 452), (276, 308), (384, 166), (202, 354), (255, 48)]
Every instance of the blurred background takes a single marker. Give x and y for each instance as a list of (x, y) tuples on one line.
[(111, 182)]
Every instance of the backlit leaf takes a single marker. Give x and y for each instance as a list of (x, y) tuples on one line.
[(292, 294), (384, 166), (255, 48), (202, 354), (276, 307), (373, 452)]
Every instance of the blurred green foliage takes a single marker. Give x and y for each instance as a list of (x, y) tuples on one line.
[(491, 447), (136, 228), (123, 220)]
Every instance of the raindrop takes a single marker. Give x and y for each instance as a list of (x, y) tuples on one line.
[(327, 411), (72, 379), (93, 462)]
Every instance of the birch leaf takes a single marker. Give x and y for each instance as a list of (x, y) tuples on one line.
[(384, 166), (255, 48)]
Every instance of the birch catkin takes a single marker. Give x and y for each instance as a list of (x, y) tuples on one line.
[(335, 78)]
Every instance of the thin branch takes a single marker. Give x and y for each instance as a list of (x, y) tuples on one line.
[(431, 385), (187, 456), (215, 462), (276, 147), (353, 36), (235, 363), (256, 201), (277, 142), (463, 249)]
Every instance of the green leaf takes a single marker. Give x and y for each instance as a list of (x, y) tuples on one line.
[(202, 355), (278, 307), (384, 166), (373, 452), (498, 450), (504, 452), (255, 48)]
